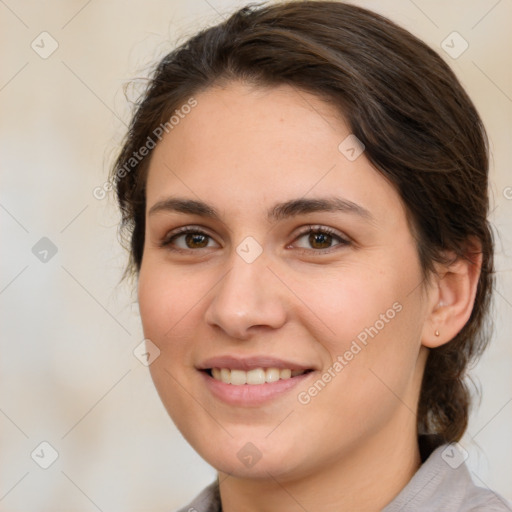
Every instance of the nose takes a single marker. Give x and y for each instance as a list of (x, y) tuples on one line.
[(247, 299)]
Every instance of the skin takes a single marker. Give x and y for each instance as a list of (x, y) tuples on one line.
[(354, 445)]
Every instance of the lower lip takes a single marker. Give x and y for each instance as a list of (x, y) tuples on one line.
[(251, 394)]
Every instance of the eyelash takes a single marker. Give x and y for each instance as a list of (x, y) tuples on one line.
[(321, 230), (168, 240)]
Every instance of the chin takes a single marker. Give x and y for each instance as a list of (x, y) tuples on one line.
[(258, 459)]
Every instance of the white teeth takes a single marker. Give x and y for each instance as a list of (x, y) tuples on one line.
[(238, 377), (225, 376), (272, 374), (285, 374), (255, 376)]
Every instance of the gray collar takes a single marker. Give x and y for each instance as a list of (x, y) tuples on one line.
[(442, 483)]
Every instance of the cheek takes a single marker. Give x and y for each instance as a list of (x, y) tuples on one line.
[(153, 304), (369, 322), (166, 309), (345, 302), (166, 303)]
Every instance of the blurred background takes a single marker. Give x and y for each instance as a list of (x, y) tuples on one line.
[(81, 425)]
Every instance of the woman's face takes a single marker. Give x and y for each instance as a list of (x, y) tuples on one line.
[(250, 294)]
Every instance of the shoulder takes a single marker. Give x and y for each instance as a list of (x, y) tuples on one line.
[(207, 501), (443, 482)]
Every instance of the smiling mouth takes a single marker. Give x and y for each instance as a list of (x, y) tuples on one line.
[(253, 377)]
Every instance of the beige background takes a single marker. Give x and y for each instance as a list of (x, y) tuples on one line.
[(67, 372)]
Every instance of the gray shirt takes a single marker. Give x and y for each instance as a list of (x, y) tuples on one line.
[(439, 485)]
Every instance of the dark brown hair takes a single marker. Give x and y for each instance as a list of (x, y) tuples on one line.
[(419, 127)]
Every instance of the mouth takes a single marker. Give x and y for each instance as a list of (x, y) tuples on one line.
[(255, 376), (252, 381)]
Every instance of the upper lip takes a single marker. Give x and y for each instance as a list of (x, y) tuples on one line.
[(249, 363)]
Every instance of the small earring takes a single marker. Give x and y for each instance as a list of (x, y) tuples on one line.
[(437, 333)]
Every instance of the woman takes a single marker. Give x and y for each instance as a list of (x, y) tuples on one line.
[(304, 192)]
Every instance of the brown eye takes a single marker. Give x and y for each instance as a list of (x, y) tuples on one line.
[(196, 240), (188, 238), (320, 239)]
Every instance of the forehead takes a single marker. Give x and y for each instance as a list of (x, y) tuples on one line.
[(244, 145)]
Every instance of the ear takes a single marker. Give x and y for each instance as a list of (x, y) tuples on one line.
[(452, 296)]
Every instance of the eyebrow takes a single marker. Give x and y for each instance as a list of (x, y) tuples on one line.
[(278, 212)]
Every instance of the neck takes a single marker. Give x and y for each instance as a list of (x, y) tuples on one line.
[(366, 478)]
